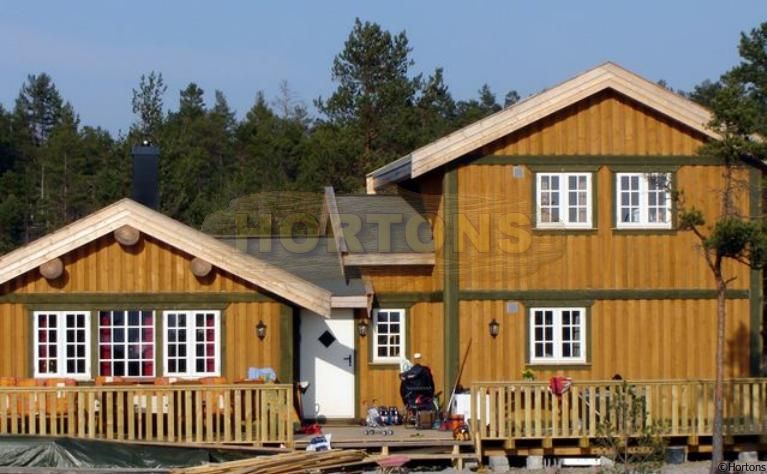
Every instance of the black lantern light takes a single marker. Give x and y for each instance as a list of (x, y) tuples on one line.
[(261, 330), (494, 327), (362, 327)]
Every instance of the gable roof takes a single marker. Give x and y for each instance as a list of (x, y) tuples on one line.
[(536, 107), (127, 212), (377, 230)]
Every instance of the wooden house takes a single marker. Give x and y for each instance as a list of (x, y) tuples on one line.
[(541, 238)]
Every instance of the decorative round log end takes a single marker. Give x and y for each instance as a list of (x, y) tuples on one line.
[(200, 268), (127, 235), (52, 269)]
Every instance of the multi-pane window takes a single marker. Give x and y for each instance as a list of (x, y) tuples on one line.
[(557, 335), (62, 344), (126, 343), (563, 200), (192, 343), (388, 335), (643, 200)]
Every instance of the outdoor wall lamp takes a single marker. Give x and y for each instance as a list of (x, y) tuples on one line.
[(495, 328), (362, 327), (261, 330)]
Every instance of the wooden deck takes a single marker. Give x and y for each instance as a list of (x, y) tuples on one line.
[(234, 413), (525, 417), (418, 445)]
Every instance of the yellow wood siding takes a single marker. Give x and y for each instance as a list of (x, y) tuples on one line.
[(381, 382), (606, 123), (638, 339), (604, 258), (150, 267)]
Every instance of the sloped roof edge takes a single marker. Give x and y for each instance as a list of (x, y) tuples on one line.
[(175, 234), (536, 107)]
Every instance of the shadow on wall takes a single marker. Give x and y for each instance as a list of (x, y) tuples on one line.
[(736, 353)]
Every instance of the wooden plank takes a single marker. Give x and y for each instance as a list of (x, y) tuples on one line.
[(238, 416), (109, 409), (187, 416), (538, 412), (133, 399), (249, 416), (227, 415), (37, 412), (675, 409), (71, 421), (198, 412), (14, 400), (162, 403), (172, 415), (91, 412), (121, 415), (147, 417)]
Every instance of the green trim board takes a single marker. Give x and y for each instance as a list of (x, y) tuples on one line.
[(408, 299), (602, 294), (756, 281), (451, 286), (286, 344), (134, 298), (598, 160)]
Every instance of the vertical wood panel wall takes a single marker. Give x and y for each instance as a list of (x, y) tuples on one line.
[(151, 267), (381, 382), (638, 339)]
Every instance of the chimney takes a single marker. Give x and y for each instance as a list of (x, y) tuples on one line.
[(145, 182)]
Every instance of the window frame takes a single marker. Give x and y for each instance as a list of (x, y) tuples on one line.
[(126, 342), (190, 354), (644, 207), (375, 358), (564, 200), (557, 358), (61, 357)]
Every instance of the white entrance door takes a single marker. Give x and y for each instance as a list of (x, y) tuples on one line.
[(327, 363)]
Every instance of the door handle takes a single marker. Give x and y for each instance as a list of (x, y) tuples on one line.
[(349, 359)]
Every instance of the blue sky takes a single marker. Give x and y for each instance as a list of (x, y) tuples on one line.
[(97, 50)]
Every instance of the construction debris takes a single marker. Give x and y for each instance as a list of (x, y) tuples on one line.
[(294, 462)]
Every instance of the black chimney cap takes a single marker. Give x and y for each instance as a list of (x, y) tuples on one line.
[(145, 174)]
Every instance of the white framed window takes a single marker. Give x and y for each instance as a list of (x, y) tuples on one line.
[(563, 200), (643, 200), (192, 343), (388, 335), (62, 344), (557, 335), (126, 343)]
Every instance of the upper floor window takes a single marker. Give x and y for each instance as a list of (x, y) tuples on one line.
[(388, 335), (643, 200), (563, 200), (557, 335), (62, 344)]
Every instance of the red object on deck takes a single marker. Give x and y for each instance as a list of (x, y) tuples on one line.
[(559, 385), (393, 461)]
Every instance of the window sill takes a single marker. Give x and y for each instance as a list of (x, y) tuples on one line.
[(558, 365), (644, 230), (383, 365), (565, 230)]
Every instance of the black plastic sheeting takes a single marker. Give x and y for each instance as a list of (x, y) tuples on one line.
[(32, 451)]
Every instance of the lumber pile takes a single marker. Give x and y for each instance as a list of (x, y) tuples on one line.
[(285, 463)]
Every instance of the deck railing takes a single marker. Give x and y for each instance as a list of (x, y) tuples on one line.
[(523, 410), (253, 414)]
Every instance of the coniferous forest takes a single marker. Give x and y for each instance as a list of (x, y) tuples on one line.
[(53, 170)]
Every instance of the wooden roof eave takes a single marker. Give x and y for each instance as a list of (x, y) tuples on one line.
[(534, 108), (174, 233)]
